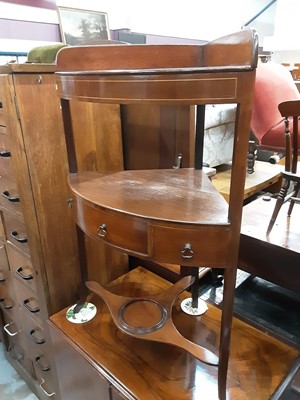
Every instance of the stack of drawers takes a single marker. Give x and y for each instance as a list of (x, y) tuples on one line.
[(38, 249), (22, 314)]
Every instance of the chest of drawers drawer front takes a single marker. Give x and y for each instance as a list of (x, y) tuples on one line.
[(15, 231), (4, 266), (28, 301), (14, 333), (9, 197), (184, 246), (8, 301), (2, 120), (22, 268), (35, 337), (45, 379), (2, 233), (5, 156), (124, 232)]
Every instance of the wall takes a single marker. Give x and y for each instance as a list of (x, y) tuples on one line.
[(23, 26), (285, 43)]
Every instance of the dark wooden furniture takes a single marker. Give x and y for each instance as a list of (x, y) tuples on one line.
[(97, 361), (171, 216), (276, 258), (38, 247), (272, 257), (291, 180)]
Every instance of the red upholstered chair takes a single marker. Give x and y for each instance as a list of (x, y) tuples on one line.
[(273, 85)]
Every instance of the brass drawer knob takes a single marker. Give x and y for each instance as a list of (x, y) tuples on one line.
[(187, 251), (101, 231)]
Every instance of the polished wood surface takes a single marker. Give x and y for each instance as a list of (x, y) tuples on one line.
[(147, 370), (152, 320), (177, 195), (266, 176), (179, 215), (274, 257), (166, 131)]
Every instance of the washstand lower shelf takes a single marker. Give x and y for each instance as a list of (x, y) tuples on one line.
[(96, 360)]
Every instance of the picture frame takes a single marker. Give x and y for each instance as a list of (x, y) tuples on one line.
[(78, 26)]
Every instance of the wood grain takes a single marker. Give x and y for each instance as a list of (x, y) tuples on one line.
[(148, 370)]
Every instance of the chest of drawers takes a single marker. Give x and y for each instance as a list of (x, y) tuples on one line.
[(37, 268)]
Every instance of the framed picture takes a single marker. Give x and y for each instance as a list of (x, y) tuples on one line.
[(79, 26)]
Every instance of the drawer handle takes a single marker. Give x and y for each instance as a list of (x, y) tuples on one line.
[(45, 391), (31, 309), (9, 332), (13, 199), (101, 231), (40, 365), (187, 251), (20, 239), (22, 275), (35, 337), (6, 305), (5, 153)]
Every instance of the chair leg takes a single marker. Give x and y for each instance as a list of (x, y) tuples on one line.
[(279, 203), (251, 157), (227, 314), (297, 189)]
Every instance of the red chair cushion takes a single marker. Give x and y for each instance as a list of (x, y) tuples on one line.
[(273, 85), (275, 140)]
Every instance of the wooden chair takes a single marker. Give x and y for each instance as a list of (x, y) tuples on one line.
[(174, 215), (273, 85), (291, 180)]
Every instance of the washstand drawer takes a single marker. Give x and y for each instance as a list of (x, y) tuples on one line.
[(124, 232), (187, 246), (9, 197), (22, 268), (15, 231), (5, 155), (28, 301)]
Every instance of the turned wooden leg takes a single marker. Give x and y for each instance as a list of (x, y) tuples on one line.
[(251, 157), (297, 189), (279, 203), (227, 315)]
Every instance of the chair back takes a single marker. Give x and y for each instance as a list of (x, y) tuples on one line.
[(291, 109), (273, 85)]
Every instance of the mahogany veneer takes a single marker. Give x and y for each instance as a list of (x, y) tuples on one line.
[(94, 355)]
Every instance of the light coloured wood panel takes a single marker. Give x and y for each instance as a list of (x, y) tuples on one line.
[(44, 145)]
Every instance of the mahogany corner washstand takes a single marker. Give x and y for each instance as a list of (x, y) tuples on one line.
[(174, 215)]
